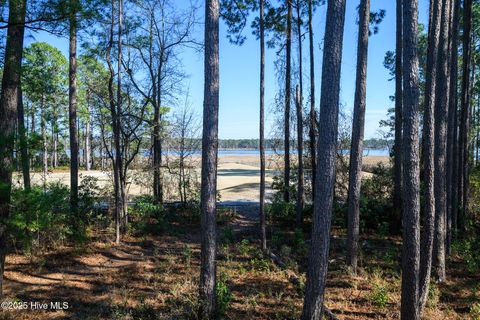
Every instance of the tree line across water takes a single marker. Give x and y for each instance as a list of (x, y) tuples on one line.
[(124, 93)]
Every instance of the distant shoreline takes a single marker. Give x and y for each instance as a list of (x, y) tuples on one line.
[(270, 151)]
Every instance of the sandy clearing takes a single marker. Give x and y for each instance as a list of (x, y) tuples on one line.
[(238, 176)]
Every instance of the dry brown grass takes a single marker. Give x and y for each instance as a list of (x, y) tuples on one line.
[(150, 277)]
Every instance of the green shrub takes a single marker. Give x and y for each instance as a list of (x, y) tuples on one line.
[(227, 236), (379, 295), (279, 186), (376, 212), (187, 255), (41, 217), (390, 256), (244, 247), (277, 239), (223, 294), (147, 216), (433, 295), (89, 211), (261, 264), (281, 211), (475, 311), (468, 249)]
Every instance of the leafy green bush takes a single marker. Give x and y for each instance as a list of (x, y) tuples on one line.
[(474, 200), (89, 211), (187, 255), (433, 295), (41, 217), (227, 235), (281, 211), (278, 185), (376, 212), (223, 294), (379, 295), (147, 216), (475, 311), (375, 201), (468, 249), (261, 264), (244, 248)]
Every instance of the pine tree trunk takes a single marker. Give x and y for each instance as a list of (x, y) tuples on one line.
[(452, 126), (465, 109), (441, 109), (157, 192), (8, 109), (88, 151), (299, 106), (454, 105), (428, 152), (43, 129), (313, 122), (54, 148), (300, 188), (209, 162), (263, 229), (72, 109), (477, 136), (327, 142), (411, 165), (157, 136), (356, 150), (397, 192), (286, 178), (467, 149), (22, 134), (120, 205)]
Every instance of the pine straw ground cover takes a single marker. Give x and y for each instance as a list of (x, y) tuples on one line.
[(156, 277)]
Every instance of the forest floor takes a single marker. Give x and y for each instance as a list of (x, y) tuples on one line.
[(156, 277)]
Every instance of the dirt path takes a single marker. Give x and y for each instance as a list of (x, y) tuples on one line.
[(246, 222)]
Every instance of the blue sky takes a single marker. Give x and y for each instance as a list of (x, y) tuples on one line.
[(239, 72)]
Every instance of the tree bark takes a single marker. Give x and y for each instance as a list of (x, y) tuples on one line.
[(477, 138), (313, 123), (300, 187), (452, 143), (411, 165), (23, 141), (54, 146), (397, 192), (299, 106), (441, 109), (454, 101), (157, 141), (72, 108), (327, 142), (288, 68), (120, 210), (8, 109), (428, 152), (209, 162), (356, 150), (263, 229), (465, 107), (43, 129), (88, 150)]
